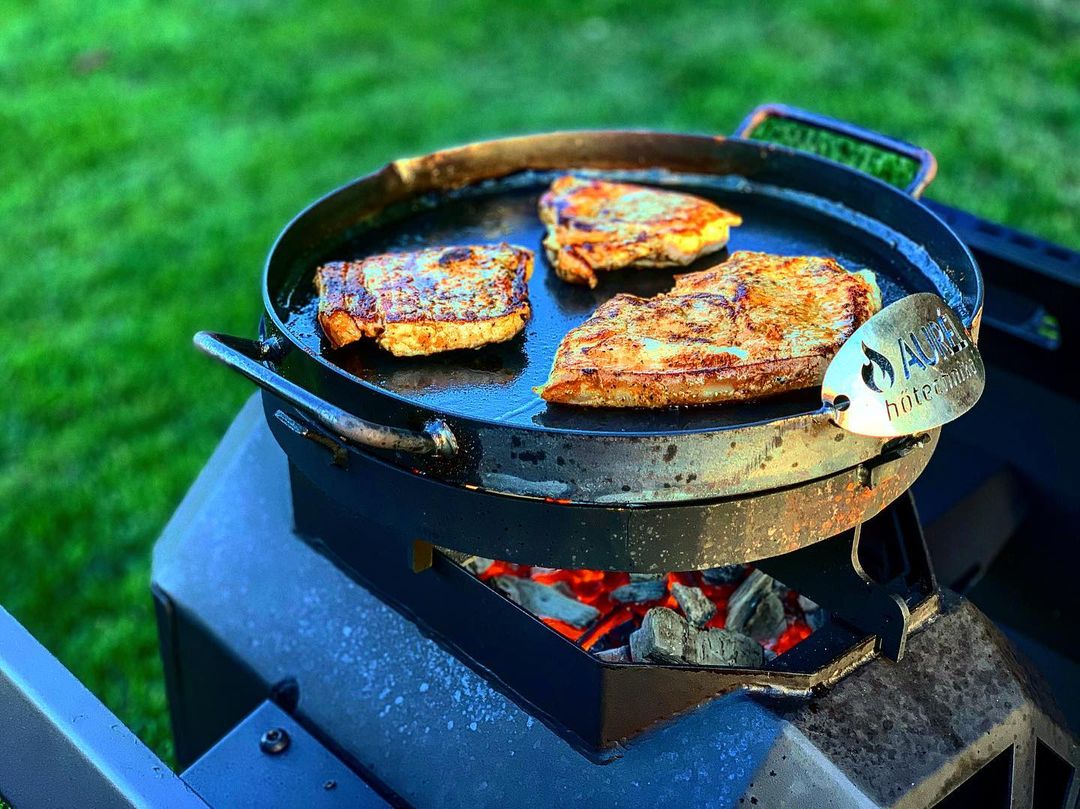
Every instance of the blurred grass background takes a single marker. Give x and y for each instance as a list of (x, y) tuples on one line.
[(150, 155)]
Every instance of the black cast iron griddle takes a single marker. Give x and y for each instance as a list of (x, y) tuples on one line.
[(470, 419), (496, 382)]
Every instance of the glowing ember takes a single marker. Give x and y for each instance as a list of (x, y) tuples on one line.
[(617, 620)]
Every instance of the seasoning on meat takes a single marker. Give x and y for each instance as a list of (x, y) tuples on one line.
[(595, 226), (429, 300), (754, 326)]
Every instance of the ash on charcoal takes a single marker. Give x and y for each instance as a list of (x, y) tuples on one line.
[(768, 620), (563, 588), (755, 608), (729, 574), (637, 592), (721, 647), (646, 576), (806, 605), (620, 654), (696, 606), (546, 602), (662, 637), (745, 599), (477, 565), (814, 614), (665, 637)]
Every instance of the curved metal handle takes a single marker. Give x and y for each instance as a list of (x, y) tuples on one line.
[(923, 158), (248, 358)]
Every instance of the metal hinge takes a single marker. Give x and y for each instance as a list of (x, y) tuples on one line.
[(894, 450), (339, 455)]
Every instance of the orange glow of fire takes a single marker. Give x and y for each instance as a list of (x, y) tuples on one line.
[(594, 587)]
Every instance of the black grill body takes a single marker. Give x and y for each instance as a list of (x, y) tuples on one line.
[(247, 609)]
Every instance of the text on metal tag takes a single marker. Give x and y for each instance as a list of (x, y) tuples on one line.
[(909, 368)]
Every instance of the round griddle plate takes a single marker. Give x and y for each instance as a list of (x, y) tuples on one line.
[(699, 485), (495, 383)]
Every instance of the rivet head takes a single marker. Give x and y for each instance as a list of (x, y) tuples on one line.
[(274, 741)]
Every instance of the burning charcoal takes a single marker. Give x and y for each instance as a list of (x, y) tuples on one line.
[(477, 565), (768, 620), (564, 588), (745, 599), (617, 635), (721, 647), (546, 602), (662, 637), (637, 592), (696, 606), (620, 654), (730, 574)]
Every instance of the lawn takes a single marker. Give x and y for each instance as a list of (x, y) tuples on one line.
[(150, 154)]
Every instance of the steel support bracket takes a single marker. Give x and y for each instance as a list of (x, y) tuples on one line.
[(339, 455), (870, 472), (830, 574)]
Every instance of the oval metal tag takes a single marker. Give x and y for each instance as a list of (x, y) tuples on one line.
[(909, 368)]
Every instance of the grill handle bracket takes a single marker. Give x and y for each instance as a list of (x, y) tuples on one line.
[(254, 360), (831, 574), (870, 472), (339, 455)]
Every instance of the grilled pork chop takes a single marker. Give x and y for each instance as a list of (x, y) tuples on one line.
[(753, 326), (427, 301), (594, 226)]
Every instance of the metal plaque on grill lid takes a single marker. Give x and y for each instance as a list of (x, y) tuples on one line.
[(909, 368)]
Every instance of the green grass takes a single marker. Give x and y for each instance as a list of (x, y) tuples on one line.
[(150, 154), (890, 167)]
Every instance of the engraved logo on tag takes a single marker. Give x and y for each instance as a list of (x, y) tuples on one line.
[(881, 362), (909, 368)]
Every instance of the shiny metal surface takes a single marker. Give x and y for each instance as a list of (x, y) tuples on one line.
[(251, 359), (509, 440), (560, 533), (909, 368)]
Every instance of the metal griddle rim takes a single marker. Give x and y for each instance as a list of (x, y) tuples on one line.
[(400, 168)]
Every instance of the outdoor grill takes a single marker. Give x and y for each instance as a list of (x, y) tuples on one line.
[(463, 593)]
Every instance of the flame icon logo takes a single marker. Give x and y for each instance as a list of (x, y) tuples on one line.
[(881, 362)]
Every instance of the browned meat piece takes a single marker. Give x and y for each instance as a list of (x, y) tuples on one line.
[(596, 226), (755, 325), (427, 301)]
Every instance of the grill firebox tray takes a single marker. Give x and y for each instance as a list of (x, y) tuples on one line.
[(248, 611), (596, 704)]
